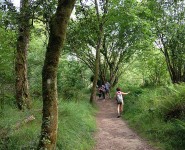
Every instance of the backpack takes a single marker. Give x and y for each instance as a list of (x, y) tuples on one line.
[(119, 97)]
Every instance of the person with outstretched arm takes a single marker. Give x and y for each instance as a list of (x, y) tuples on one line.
[(120, 102)]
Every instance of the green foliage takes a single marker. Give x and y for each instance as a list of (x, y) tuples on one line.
[(157, 114), (132, 30), (7, 48), (147, 69), (126, 33), (43, 10), (75, 129), (73, 78), (151, 67), (37, 48), (168, 26), (173, 106), (8, 16)]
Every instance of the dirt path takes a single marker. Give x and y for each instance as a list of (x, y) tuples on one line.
[(113, 133)]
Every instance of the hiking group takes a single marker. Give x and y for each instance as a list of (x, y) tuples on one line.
[(104, 91)]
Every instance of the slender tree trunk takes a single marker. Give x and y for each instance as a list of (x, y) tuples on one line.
[(21, 83), (183, 75), (97, 61), (58, 27), (93, 93), (173, 68)]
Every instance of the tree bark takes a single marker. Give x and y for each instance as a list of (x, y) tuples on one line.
[(97, 61), (21, 83), (175, 70), (58, 27), (96, 73)]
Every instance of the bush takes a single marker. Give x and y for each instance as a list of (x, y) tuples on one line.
[(158, 114)]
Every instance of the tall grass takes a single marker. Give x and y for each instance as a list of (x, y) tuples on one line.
[(75, 128), (20, 137), (76, 125), (158, 114)]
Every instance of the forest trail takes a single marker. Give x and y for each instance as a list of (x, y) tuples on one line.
[(113, 133)]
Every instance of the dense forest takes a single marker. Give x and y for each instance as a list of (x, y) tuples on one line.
[(54, 53)]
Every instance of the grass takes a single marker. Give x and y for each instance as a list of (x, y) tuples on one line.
[(75, 127), (158, 115), (23, 136)]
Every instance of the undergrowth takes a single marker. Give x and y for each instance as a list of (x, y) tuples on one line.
[(158, 114), (75, 127)]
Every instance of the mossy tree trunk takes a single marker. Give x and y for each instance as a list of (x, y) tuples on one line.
[(57, 34), (21, 82)]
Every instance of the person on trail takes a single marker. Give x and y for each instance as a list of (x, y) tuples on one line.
[(102, 91), (99, 92), (107, 89), (120, 102)]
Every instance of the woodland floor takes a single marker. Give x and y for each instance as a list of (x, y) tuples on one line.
[(114, 133)]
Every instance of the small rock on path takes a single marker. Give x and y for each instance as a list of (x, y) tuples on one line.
[(113, 133)]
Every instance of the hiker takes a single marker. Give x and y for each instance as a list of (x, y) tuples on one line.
[(107, 89), (98, 91), (120, 102), (102, 91)]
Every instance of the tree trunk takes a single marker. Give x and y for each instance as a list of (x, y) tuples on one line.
[(96, 73), (175, 71), (21, 83), (97, 61), (58, 27)]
